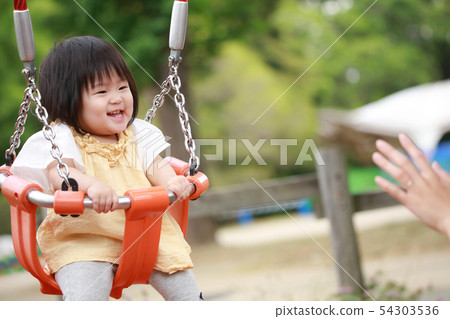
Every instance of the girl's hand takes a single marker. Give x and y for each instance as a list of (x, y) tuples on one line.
[(424, 190), (160, 173), (180, 186), (104, 197)]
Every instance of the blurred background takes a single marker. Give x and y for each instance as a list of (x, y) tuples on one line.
[(239, 62)]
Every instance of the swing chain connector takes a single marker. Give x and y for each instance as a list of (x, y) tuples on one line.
[(25, 39), (178, 26)]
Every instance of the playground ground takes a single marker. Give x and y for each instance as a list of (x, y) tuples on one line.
[(274, 259)]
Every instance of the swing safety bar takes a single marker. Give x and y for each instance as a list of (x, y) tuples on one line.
[(46, 200), (65, 202)]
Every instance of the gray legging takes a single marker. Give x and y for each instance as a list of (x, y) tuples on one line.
[(91, 280)]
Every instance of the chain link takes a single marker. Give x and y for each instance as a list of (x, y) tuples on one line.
[(19, 127), (32, 95), (173, 81), (158, 101)]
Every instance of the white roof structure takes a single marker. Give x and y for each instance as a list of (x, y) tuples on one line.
[(422, 112)]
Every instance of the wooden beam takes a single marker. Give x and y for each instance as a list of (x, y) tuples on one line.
[(373, 200), (226, 200)]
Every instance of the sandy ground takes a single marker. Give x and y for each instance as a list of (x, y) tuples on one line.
[(287, 258)]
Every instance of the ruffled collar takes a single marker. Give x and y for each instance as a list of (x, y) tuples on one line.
[(112, 152)]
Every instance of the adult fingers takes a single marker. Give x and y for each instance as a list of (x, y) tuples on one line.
[(418, 157), (393, 190), (396, 172), (397, 158), (442, 174)]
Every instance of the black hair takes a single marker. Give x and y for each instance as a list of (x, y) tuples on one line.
[(73, 65)]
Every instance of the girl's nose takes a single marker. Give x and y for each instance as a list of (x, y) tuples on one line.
[(115, 98)]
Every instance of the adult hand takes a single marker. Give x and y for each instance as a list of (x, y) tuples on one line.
[(424, 189)]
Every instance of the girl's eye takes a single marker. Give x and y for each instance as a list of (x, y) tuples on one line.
[(123, 87), (101, 92)]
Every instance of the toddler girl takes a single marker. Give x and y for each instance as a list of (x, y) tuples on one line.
[(90, 94)]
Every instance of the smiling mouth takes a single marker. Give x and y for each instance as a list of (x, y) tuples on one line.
[(117, 114)]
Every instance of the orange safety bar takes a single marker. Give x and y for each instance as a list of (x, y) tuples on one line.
[(142, 227)]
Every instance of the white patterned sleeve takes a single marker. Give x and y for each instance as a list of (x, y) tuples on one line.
[(150, 142), (34, 157)]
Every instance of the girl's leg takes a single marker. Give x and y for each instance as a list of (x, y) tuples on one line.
[(86, 281), (180, 286)]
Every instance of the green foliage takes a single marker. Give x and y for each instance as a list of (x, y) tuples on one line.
[(385, 50), (5, 220), (212, 23)]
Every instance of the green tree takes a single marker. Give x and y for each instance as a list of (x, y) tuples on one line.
[(394, 45)]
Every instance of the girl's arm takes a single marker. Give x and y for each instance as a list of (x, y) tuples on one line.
[(104, 197), (162, 174)]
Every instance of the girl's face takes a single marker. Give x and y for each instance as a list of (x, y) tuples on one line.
[(106, 108)]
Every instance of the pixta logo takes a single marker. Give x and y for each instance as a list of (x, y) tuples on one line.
[(306, 152)]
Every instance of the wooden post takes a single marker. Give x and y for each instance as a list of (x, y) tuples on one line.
[(337, 206)]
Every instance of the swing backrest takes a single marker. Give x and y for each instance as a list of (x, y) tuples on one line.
[(142, 226)]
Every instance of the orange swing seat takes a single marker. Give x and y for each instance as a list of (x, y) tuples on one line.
[(142, 226)]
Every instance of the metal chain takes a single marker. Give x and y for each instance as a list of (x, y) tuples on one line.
[(32, 94), (158, 101), (173, 81), (19, 127)]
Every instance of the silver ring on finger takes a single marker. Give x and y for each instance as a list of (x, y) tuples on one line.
[(409, 184)]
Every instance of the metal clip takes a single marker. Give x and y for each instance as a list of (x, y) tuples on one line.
[(178, 26)]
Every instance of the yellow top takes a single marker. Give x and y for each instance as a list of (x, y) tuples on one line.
[(98, 237)]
